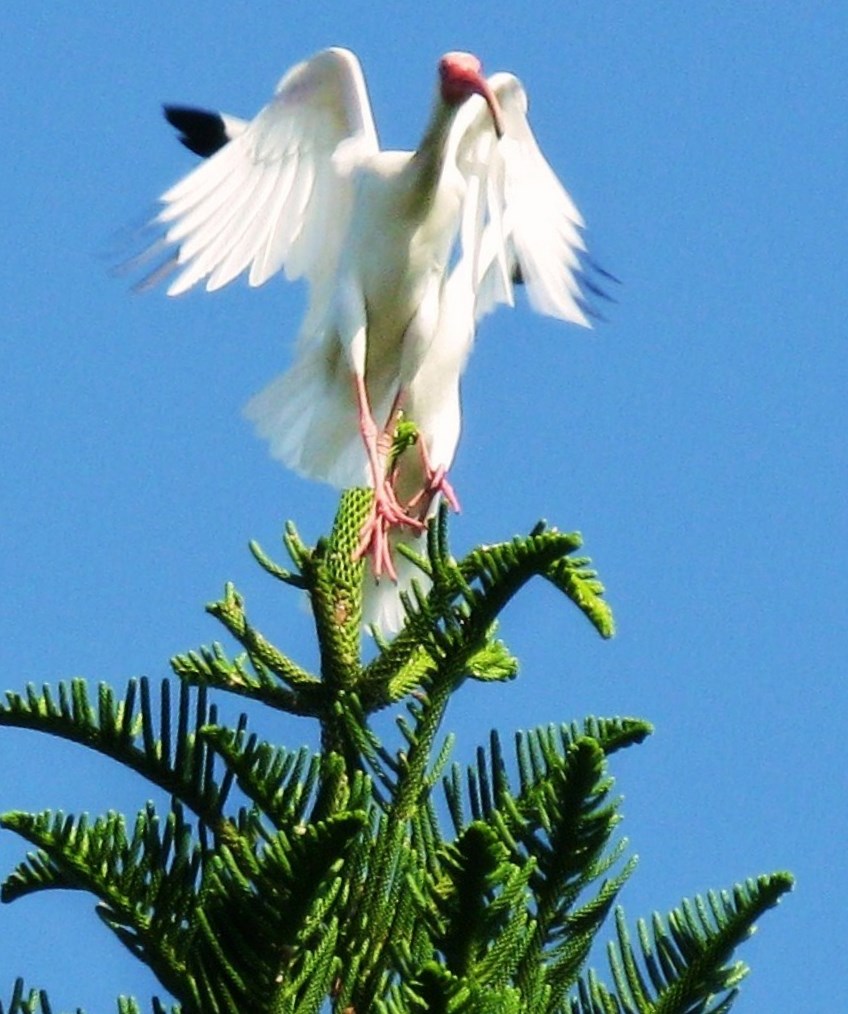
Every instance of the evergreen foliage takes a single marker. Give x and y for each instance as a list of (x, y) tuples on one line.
[(290, 882)]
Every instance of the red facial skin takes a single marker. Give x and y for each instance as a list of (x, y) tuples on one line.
[(461, 76)]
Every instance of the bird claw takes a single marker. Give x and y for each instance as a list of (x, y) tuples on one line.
[(436, 483), (386, 514)]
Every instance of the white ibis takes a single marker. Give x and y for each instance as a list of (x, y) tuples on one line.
[(403, 253)]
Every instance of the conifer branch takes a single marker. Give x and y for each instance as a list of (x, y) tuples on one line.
[(274, 569), (146, 883), (265, 908), (265, 657), (334, 579), (457, 617), (210, 667), (331, 878), (127, 731), (685, 958), (33, 1001)]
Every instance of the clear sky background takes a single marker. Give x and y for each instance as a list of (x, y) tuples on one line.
[(697, 439)]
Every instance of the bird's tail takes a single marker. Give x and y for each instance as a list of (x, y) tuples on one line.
[(309, 418), (381, 599)]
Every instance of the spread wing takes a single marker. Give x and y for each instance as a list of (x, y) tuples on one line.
[(519, 222), (273, 198)]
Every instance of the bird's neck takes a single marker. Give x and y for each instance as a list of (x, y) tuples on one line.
[(424, 170)]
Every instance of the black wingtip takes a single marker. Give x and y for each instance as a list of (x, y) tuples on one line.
[(601, 271), (593, 288), (200, 131), (595, 282)]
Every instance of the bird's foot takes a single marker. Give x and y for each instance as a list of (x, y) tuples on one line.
[(436, 483), (386, 513)]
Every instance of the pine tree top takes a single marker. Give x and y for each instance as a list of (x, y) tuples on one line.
[(363, 877)]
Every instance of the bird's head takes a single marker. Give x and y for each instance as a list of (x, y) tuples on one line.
[(461, 76)]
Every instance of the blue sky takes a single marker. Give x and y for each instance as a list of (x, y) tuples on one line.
[(697, 438)]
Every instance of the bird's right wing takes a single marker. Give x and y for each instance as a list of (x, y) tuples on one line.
[(273, 198)]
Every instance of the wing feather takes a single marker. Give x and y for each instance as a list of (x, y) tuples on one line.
[(530, 222), (242, 250), (209, 245), (271, 198), (269, 258)]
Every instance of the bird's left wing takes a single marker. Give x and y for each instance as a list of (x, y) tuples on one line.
[(273, 198), (519, 223)]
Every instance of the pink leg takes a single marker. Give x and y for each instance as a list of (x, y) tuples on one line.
[(388, 433), (386, 511), (436, 481), (435, 478)]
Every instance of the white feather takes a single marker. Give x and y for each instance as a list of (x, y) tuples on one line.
[(404, 254), (248, 204)]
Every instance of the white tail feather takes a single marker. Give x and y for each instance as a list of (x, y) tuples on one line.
[(309, 419), (381, 604)]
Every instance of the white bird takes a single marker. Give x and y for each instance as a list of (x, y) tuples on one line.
[(404, 252)]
